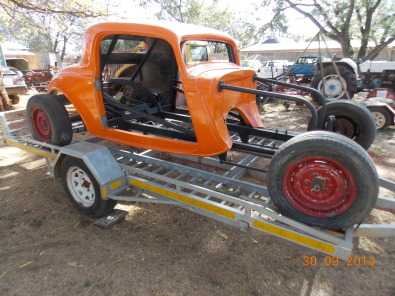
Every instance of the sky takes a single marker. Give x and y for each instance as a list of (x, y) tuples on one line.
[(297, 24)]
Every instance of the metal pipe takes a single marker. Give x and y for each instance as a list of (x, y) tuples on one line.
[(254, 149), (310, 106), (318, 96)]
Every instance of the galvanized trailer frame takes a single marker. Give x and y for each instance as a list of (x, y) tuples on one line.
[(222, 194)]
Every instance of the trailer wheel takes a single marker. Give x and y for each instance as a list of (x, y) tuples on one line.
[(48, 120), (349, 119), (323, 179), (83, 189), (382, 117)]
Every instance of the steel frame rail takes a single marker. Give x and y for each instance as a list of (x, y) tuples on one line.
[(222, 195)]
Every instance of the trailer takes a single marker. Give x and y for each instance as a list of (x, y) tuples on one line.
[(222, 190), (382, 111)]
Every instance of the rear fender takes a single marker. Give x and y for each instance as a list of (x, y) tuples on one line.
[(82, 93), (69, 99)]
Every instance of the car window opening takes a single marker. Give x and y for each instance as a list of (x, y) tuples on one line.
[(141, 89)]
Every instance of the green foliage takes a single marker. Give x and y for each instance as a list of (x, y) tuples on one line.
[(265, 18), (346, 20), (50, 31), (247, 27)]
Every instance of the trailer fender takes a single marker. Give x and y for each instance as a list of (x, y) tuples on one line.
[(100, 162)]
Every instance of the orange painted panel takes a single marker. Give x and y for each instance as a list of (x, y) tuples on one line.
[(207, 106)]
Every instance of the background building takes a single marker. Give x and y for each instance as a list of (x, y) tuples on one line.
[(286, 49)]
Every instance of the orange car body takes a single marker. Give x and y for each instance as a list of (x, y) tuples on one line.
[(207, 105)]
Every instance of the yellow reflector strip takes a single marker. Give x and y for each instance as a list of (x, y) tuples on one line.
[(116, 184), (104, 192), (183, 198), (33, 150), (295, 237)]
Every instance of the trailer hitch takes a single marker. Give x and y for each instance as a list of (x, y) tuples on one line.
[(274, 95)]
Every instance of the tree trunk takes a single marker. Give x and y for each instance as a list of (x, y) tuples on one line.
[(65, 40), (363, 49), (376, 51), (56, 43), (348, 51)]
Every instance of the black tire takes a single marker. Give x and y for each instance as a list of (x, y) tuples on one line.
[(351, 119), (359, 180), (386, 117), (97, 207), (347, 74), (48, 120)]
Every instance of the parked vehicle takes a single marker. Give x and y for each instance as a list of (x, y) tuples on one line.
[(378, 74), (382, 111), (304, 66), (14, 83), (335, 79), (381, 103), (274, 68), (13, 80), (254, 64), (3, 63), (312, 177), (38, 79)]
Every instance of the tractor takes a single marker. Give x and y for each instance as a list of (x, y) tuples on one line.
[(334, 78)]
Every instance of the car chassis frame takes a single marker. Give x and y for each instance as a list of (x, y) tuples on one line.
[(132, 175)]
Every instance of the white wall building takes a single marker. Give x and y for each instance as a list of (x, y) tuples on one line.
[(291, 50)]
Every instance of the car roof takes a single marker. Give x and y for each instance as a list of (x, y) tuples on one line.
[(181, 30)]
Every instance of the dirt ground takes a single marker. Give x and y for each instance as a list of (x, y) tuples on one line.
[(48, 248)]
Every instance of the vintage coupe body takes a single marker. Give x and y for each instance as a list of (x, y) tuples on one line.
[(165, 70), (180, 89)]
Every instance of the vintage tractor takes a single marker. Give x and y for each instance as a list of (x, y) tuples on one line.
[(180, 89), (334, 78)]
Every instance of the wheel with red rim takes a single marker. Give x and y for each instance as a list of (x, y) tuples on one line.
[(323, 179), (319, 186), (48, 120), (41, 124)]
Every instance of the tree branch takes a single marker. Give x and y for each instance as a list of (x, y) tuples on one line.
[(326, 17), (350, 12), (376, 51), (47, 9)]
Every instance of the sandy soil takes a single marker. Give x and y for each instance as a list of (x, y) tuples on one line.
[(48, 248)]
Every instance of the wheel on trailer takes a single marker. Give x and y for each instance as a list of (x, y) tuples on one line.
[(48, 120), (83, 189), (349, 119), (382, 117), (323, 179), (333, 86)]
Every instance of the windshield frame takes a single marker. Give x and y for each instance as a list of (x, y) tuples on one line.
[(229, 47)]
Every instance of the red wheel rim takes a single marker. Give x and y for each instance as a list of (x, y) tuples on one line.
[(41, 124), (319, 187), (346, 127)]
